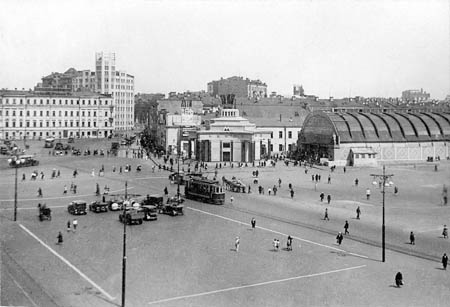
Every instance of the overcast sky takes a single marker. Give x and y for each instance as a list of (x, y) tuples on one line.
[(333, 48)]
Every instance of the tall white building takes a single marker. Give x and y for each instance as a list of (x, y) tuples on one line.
[(120, 85)]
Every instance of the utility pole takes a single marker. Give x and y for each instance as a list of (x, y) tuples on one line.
[(124, 258), (383, 177)]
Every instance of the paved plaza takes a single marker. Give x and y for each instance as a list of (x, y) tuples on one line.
[(191, 260)]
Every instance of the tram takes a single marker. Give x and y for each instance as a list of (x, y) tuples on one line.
[(205, 190)]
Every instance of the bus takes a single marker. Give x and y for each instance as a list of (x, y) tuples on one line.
[(205, 190)]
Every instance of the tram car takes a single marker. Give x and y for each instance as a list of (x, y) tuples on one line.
[(205, 190)]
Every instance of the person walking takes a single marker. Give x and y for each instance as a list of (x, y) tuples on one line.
[(75, 224), (329, 179), (322, 196), (368, 193), (346, 228), (68, 226), (253, 222), (412, 238), (356, 182), (358, 213), (279, 182), (60, 238), (275, 189), (166, 192), (399, 279), (65, 190), (39, 192), (445, 232), (292, 193), (231, 199), (289, 243), (444, 261), (326, 215), (236, 244), (329, 198), (395, 191), (23, 177), (339, 238)]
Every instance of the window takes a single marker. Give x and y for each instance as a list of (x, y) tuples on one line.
[(40, 124), (34, 124), (280, 134), (14, 113), (47, 124), (71, 113), (54, 124), (6, 124), (48, 113), (6, 112), (65, 113), (42, 113), (89, 124), (271, 147), (20, 113), (60, 113), (95, 124), (82, 113), (290, 134), (95, 113), (54, 113), (82, 124), (271, 135), (280, 147), (226, 145)]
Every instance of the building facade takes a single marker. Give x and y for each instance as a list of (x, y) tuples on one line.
[(35, 115), (106, 79), (237, 86), (415, 95)]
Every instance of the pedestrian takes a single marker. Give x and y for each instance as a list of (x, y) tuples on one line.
[(236, 244), (65, 190), (93, 172), (253, 222), (23, 177), (39, 192), (58, 174), (339, 238), (120, 170), (269, 190), (445, 232), (329, 179), (74, 189), (153, 168), (368, 193), (75, 173), (277, 244), (328, 198), (275, 189), (399, 279), (444, 261), (97, 189), (356, 182), (231, 199), (326, 215), (322, 196), (358, 213), (75, 224), (289, 243), (68, 226), (395, 190), (42, 175), (346, 228), (166, 192), (60, 238), (345, 169), (292, 193), (412, 239)]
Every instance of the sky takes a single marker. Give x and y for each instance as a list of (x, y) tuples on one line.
[(336, 48)]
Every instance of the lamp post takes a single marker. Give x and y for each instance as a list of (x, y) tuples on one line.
[(15, 162), (382, 177), (124, 257)]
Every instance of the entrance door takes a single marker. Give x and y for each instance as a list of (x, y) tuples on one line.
[(226, 157)]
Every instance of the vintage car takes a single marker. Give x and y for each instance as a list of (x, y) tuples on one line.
[(61, 146), (44, 213), (97, 206), (70, 140), (77, 207), (150, 212), (153, 199), (23, 161), (132, 216), (173, 206), (177, 177), (115, 205)]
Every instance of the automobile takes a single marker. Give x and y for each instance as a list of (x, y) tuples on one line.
[(70, 140), (173, 206), (61, 146), (76, 152), (177, 177), (44, 213), (4, 150), (49, 143), (97, 206), (153, 200), (77, 207), (150, 212), (132, 216), (24, 161)]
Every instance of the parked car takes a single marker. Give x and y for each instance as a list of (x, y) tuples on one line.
[(70, 140), (115, 205), (150, 212), (132, 216), (61, 146), (77, 207), (173, 206), (23, 161), (177, 178), (97, 206)]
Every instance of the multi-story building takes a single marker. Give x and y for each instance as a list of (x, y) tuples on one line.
[(34, 115), (415, 95), (106, 79), (120, 85), (238, 87)]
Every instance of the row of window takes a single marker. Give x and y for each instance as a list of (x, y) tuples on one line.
[(53, 124), (280, 135), (41, 113), (60, 101)]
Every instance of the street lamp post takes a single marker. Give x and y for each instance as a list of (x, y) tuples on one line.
[(15, 162), (383, 177), (124, 257)]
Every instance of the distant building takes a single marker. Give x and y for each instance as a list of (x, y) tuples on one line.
[(146, 109), (37, 114), (106, 79), (232, 87), (298, 90), (415, 95)]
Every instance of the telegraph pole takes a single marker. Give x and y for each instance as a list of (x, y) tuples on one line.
[(383, 177), (124, 258)]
